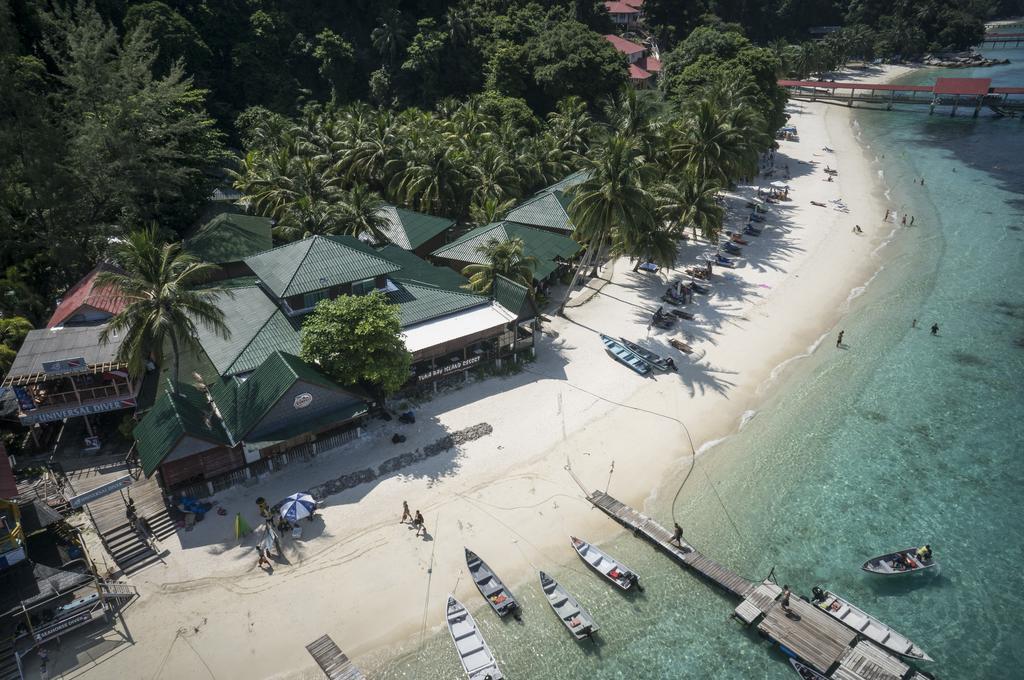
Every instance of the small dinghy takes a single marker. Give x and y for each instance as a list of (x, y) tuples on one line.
[(698, 287), (806, 672), (681, 345), (723, 261), (866, 625), (501, 599), (622, 576), (473, 651), (681, 314), (654, 360), (901, 562), (731, 248), (577, 619), (625, 355)]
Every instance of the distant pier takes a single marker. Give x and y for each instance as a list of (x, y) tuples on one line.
[(806, 632), (956, 93)]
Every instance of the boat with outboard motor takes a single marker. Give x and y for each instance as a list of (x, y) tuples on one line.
[(476, 657), (497, 594), (866, 625)]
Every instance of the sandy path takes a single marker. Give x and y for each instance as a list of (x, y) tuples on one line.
[(371, 584)]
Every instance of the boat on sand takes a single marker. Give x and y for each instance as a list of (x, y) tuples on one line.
[(625, 355), (576, 619), (654, 360), (501, 599), (619, 574), (867, 625), (473, 651)]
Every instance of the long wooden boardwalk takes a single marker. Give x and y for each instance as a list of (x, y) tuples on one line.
[(805, 631), (332, 661)]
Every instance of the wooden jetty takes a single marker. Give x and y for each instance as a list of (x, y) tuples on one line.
[(332, 661), (1008, 40), (805, 632), (951, 92)]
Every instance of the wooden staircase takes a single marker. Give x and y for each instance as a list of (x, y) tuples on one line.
[(10, 669), (129, 548)]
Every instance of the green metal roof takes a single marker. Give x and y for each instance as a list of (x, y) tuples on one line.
[(316, 263), (230, 237), (173, 416), (548, 209), (417, 303), (409, 230), (545, 246), (258, 328), (511, 295), (418, 270), (244, 404), (578, 177)]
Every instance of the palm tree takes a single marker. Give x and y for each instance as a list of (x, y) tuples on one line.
[(389, 38), (490, 209), (571, 124), (612, 199), (652, 244), (361, 214), (502, 257), (705, 141), (689, 201), (161, 305), (434, 179), (492, 175)]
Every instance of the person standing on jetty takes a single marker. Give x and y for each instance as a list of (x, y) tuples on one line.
[(785, 598), (677, 535)]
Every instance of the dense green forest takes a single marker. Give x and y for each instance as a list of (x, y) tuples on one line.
[(118, 115)]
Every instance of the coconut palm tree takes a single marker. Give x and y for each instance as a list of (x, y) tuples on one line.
[(613, 198), (652, 244), (571, 125), (161, 305), (390, 37), (361, 214), (689, 201), (492, 175), (490, 209), (501, 257)]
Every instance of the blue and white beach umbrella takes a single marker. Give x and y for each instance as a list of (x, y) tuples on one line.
[(297, 506)]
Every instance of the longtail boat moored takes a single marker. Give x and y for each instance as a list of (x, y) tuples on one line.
[(625, 355), (501, 599), (867, 625)]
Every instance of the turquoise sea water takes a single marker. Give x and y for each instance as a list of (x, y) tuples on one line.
[(900, 439)]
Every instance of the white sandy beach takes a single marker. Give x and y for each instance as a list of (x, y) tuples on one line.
[(374, 587)]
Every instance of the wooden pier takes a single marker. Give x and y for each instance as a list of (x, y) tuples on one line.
[(805, 631), (332, 661)]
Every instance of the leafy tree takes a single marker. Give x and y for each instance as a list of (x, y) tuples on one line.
[(172, 34), (361, 214), (337, 62), (357, 339), (162, 305), (501, 257), (12, 333)]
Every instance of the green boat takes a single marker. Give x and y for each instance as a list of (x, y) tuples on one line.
[(626, 355)]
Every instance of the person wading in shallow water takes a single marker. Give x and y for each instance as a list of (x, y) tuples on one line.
[(935, 329), (839, 340)]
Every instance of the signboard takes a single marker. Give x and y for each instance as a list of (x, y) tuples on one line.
[(64, 625), (25, 402), (100, 491), (64, 366), (74, 411), (302, 400), (12, 557), (453, 367)]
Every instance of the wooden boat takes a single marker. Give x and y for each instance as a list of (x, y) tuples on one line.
[(681, 314), (654, 360), (619, 574), (577, 620), (473, 651), (731, 248), (680, 345), (867, 625), (501, 599), (900, 562), (625, 355), (806, 672)]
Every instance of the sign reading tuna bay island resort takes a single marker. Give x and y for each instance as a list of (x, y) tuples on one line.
[(453, 367)]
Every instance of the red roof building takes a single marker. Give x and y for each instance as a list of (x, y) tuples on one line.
[(624, 14), (87, 303), (632, 51), (650, 64)]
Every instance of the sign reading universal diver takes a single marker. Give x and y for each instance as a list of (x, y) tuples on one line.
[(62, 366), (73, 411), (453, 367), (100, 491)]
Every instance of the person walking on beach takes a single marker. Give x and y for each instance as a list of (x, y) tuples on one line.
[(677, 535), (913, 324), (886, 218), (911, 220), (405, 512), (419, 523), (904, 219), (264, 560), (839, 340), (785, 598), (935, 329)]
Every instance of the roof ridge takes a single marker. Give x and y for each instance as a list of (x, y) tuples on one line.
[(241, 351), (463, 293), (334, 239), (295, 270)]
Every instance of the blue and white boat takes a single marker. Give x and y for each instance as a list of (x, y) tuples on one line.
[(626, 355)]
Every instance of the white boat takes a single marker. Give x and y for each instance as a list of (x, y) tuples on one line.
[(601, 562), (577, 620), (901, 562), (501, 599), (473, 651), (805, 671), (867, 625)]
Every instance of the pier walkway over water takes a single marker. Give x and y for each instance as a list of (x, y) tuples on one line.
[(805, 631), (973, 93)]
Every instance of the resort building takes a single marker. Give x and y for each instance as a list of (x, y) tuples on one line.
[(416, 232), (87, 303), (552, 251), (548, 209), (229, 238), (643, 66), (625, 14)]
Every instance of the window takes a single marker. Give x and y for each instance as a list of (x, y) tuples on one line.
[(310, 299), (363, 287)]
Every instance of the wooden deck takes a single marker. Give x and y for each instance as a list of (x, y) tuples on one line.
[(332, 661), (660, 536), (125, 544), (806, 631)]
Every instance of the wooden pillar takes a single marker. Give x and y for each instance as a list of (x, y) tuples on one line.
[(892, 97), (977, 107), (956, 103), (850, 102)]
